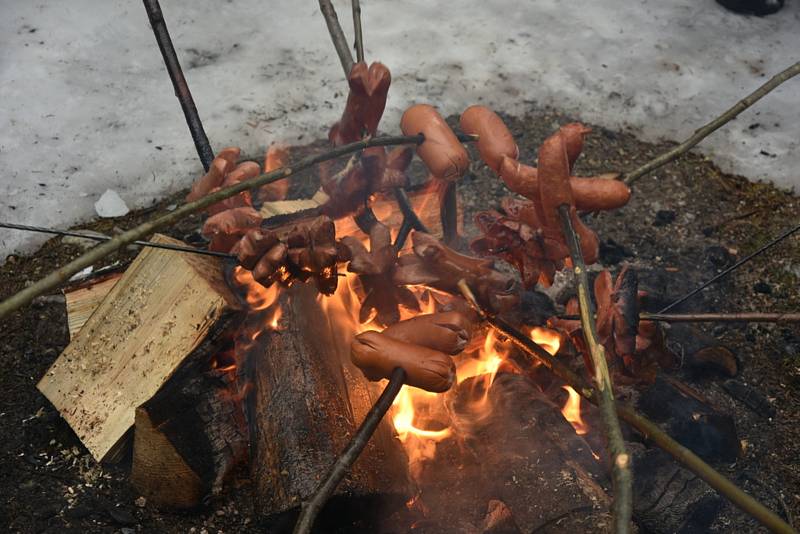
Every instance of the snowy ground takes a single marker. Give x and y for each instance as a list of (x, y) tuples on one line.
[(87, 104)]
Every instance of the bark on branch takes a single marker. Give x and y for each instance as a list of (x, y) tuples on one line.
[(714, 125)]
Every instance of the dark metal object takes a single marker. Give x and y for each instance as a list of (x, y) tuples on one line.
[(199, 137), (732, 268), (348, 457), (167, 246)]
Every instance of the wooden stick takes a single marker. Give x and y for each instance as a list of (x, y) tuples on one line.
[(410, 219), (337, 35), (449, 214), (338, 470), (358, 32), (714, 125), (749, 317), (61, 275), (647, 428), (736, 317), (622, 506), (732, 268), (93, 237), (193, 121)]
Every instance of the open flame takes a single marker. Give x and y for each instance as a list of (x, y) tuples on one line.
[(572, 411)]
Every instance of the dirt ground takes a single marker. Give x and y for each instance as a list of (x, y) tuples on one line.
[(684, 223)]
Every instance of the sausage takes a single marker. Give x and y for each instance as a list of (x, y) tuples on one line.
[(220, 166), (235, 221), (253, 245), (243, 171), (442, 153), (596, 193), (448, 332), (269, 265), (553, 174), (573, 134), (365, 103), (494, 139), (377, 355), (277, 156)]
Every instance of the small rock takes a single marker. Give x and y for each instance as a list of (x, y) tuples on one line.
[(111, 204), (762, 287), (141, 502), (121, 516), (718, 256), (664, 217)]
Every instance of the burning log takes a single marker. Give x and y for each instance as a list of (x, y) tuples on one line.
[(306, 403)]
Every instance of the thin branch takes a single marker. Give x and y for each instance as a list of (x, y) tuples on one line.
[(712, 126), (744, 317), (448, 211), (410, 219), (199, 137), (357, 27), (94, 237), (647, 428), (622, 507), (337, 35), (732, 268), (61, 275), (338, 470)]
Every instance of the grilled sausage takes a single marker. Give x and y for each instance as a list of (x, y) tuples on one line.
[(442, 153), (448, 332), (377, 355), (494, 139)]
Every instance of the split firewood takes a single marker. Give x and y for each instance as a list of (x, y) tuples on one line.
[(375, 269), (365, 103), (422, 349), (436, 265)]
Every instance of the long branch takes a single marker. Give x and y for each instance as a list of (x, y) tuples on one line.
[(712, 126), (622, 507), (348, 457), (337, 35), (735, 317), (61, 275), (647, 428), (199, 137)]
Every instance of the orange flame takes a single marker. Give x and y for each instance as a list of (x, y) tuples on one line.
[(256, 295), (572, 411), (550, 340)]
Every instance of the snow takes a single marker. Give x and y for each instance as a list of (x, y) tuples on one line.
[(87, 105), (110, 205)]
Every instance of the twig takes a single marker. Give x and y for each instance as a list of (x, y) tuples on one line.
[(357, 27), (622, 507), (339, 469), (62, 274), (712, 126), (150, 244), (732, 268), (410, 219), (647, 428), (179, 82), (337, 35), (448, 211), (749, 317), (737, 317)]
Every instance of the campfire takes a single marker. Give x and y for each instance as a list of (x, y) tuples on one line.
[(367, 367)]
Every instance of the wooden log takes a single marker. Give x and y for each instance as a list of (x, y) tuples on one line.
[(192, 433), (83, 300), (306, 403), (153, 318)]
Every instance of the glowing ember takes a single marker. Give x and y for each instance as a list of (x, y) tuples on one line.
[(572, 411)]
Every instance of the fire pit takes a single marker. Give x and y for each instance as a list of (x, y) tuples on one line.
[(305, 322)]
